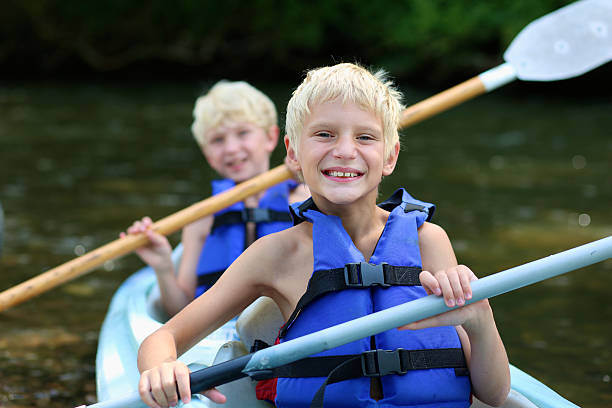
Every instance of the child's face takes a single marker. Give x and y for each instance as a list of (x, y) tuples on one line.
[(240, 150), (341, 152)]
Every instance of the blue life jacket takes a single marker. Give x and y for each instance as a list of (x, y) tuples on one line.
[(227, 239), (335, 254)]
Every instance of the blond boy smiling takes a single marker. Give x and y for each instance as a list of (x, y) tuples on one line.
[(342, 138)]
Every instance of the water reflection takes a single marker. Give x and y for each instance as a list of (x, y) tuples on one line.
[(514, 179)]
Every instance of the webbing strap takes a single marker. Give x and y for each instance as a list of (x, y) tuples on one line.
[(353, 276), (378, 363), (209, 279), (336, 375), (373, 363), (256, 215)]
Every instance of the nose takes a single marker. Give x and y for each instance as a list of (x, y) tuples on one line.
[(231, 144), (345, 147)]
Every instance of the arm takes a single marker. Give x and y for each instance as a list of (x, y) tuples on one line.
[(176, 290), (244, 281), (482, 345)]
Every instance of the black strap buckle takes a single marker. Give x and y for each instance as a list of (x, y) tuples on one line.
[(416, 207), (378, 363), (368, 275), (255, 215)]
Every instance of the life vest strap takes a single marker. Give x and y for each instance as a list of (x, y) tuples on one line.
[(377, 363), (364, 274), (256, 215), (353, 276), (209, 279), (372, 363)]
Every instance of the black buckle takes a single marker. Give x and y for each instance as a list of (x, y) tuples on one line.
[(371, 275), (416, 207), (385, 362), (255, 215)]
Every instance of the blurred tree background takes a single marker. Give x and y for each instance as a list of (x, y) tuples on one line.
[(432, 41)]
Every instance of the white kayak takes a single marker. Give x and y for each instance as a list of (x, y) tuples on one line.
[(135, 312)]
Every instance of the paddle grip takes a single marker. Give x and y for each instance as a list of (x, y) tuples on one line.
[(218, 374)]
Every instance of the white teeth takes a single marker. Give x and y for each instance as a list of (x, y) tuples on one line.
[(334, 173)]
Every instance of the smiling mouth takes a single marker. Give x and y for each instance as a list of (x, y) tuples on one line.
[(342, 174), (235, 163)]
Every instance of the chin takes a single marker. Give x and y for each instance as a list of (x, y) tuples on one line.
[(338, 198), (241, 176)]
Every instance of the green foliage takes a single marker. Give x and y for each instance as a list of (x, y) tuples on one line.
[(408, 37)]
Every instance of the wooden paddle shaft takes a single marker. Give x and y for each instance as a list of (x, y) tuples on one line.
[(442, 101), (87, 262)]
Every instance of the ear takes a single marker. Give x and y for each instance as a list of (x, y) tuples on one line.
[(272, 138), (391, 161), (291, 160)]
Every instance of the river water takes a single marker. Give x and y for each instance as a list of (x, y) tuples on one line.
[(516, 176)]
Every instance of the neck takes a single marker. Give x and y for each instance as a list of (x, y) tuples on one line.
[(363, 220)]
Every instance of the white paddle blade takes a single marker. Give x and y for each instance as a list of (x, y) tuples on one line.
[(563, 44)]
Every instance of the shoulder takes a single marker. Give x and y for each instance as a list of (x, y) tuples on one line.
[(286, 242), (269, 258), (435, 246), (431, 233)]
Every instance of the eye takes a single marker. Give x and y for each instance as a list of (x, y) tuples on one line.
[(323, 134), (243, 132), (216, 140), (366, 137)]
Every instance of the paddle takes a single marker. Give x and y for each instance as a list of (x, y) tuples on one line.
[(523, 62), (564, 44), (296, 349)]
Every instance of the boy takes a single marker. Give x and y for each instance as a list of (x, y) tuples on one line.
[(235, 126), (342, 138)]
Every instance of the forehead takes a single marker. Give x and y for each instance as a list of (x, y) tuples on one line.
[(337, 112), (229, 126)]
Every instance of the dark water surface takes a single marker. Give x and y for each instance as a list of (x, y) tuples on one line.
[(516, 177)]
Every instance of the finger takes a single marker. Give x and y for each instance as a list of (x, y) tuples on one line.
[(155, 238), (182, 383), (147, 221), (215, 396), (445, 286), (429, 283), (464, 278), (455, 282), (157, 390), (144, 389), (135, 228), (122, 235), (168, 382), (142, 227)]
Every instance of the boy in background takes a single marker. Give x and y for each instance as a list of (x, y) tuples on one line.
[(235, 126)]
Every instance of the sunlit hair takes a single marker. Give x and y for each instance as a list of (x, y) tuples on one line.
[(352, 83), (231, 101)]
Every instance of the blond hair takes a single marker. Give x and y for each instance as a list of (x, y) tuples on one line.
[(231, 101), (353, 83)]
